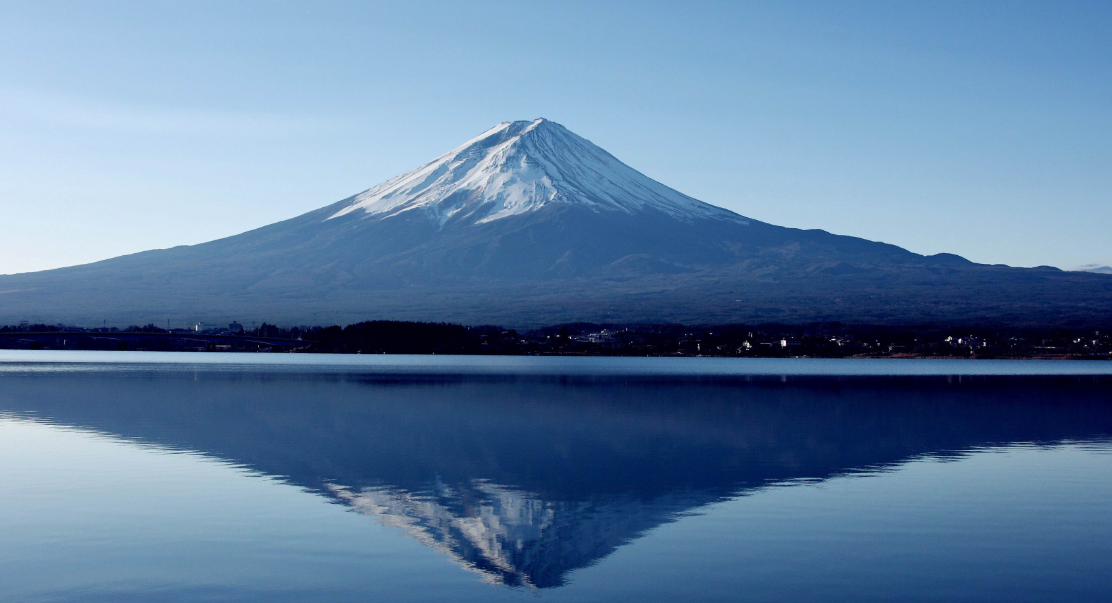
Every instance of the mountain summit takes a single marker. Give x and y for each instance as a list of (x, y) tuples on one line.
[(529, 223), (521, 166)]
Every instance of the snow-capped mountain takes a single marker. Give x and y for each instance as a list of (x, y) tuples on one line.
[(522, 166), (531, 224)]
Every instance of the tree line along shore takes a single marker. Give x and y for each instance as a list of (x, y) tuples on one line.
[(820, 340)]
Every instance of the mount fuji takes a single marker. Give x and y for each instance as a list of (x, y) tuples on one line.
[(527, 224)]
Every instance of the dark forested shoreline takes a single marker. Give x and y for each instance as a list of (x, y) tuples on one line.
[(824, 340)]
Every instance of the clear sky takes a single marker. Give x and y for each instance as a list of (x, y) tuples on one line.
[(978, 128)]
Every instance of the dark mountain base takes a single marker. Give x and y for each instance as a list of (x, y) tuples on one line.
[(989, 295)]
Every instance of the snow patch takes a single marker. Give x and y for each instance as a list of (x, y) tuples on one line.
[(521, 166)]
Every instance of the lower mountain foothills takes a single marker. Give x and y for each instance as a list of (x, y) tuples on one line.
[(815, 340)]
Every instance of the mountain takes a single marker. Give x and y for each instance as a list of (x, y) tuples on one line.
[(529, 223), (1095, 268), (520, 167)]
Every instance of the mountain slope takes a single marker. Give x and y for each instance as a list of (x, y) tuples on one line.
[(518, 167), (529, 223)]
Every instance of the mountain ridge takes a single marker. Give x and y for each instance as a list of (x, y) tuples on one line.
[(530, 224), (1096, 268)]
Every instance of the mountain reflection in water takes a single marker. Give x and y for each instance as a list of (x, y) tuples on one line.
[(525, 479)]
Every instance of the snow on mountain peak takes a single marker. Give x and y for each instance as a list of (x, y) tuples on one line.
[(520, 166)]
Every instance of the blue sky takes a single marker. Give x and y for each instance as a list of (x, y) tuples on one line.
[(977, 128)]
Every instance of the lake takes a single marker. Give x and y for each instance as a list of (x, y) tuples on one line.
[(281, 477)]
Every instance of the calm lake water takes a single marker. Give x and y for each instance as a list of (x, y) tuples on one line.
[(214, 477)]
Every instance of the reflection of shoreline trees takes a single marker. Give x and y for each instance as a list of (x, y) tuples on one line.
[(526, 479)]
